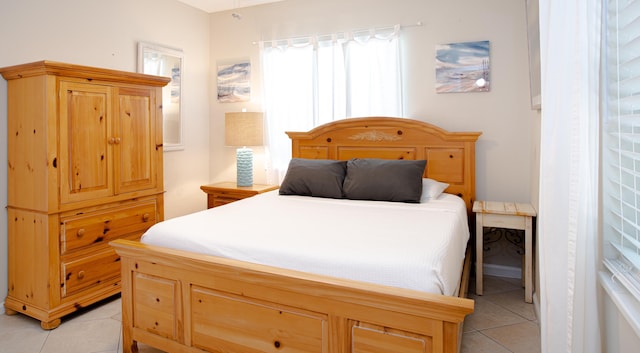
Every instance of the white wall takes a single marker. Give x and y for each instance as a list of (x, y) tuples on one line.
[(505, 149), (105, 34)]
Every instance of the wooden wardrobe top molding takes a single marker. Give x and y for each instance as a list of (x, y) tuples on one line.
[(46, 67)]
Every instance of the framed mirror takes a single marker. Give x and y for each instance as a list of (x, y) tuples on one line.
[(154, 59)]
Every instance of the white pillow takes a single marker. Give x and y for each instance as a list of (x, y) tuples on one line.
[(431, 189)]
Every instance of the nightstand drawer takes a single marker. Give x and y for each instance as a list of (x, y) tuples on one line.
[(215, 201)]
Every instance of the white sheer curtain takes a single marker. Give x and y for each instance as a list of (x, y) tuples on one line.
[(315, 80), (570, 33), (288, 76), (374, 63)]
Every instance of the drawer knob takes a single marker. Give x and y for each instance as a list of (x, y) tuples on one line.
[(145, 217), (81, 275), (276, 344), (80, 233)]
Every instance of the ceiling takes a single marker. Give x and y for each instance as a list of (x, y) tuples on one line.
[(223, 5)]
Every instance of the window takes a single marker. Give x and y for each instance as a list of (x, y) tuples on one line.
[(621, 144), (315, 80)]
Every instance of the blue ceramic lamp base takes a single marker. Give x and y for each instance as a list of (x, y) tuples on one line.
[(244, 160)]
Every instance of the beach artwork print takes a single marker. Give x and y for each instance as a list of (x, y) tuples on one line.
[(462, 67), (234, 82)]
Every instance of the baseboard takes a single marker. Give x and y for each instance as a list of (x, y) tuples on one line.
[(536, 306), (502, 271)]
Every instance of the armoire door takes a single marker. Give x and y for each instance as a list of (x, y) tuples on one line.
[(85, 159), (135, 150)]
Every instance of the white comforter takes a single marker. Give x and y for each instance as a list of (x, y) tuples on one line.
[(415, 246)]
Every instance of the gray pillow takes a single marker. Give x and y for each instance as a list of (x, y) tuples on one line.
[(314, 177), (384, 180)]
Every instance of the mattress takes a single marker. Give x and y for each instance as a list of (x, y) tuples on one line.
[(415, 246)]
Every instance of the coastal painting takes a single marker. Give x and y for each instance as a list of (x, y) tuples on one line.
[(462, 67), (234, 82)]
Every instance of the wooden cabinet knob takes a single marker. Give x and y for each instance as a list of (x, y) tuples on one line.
[(145, 217), (112, 141), (81, 275), (80, 233)]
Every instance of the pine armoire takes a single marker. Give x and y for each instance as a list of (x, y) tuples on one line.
[(84, 168)]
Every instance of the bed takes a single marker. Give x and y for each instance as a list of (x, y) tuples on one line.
[(180, 297)]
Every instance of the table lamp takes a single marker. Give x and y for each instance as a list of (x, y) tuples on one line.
[(244, 129)]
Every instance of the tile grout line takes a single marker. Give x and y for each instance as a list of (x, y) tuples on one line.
[(44, 342), (496, 341)]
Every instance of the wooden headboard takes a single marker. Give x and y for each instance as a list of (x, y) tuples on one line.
[(450, 155)]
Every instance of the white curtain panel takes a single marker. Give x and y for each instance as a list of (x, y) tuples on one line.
[(570, 33), (311, 81), (288, 76)]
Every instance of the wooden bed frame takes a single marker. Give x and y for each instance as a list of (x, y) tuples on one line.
[(179, 301)]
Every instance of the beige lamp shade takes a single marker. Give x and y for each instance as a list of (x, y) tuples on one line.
[(243, 129)]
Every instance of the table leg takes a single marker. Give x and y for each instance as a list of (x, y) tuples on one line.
[(479, 250), (528, 272)]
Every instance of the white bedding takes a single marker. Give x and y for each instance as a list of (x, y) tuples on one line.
[(415, 246)]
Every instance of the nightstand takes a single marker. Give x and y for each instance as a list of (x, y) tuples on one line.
[(219, 194), (505, 215)]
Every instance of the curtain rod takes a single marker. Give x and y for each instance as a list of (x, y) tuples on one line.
[(417, 24)]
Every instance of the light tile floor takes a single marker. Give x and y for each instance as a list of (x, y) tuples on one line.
[(502, 323)]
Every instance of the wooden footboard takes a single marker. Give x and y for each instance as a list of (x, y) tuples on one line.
[(183, 302)]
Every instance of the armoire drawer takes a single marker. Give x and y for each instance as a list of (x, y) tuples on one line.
[(101, 268), (100, 227)]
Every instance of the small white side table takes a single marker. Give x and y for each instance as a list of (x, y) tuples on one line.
[(505, 215)]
